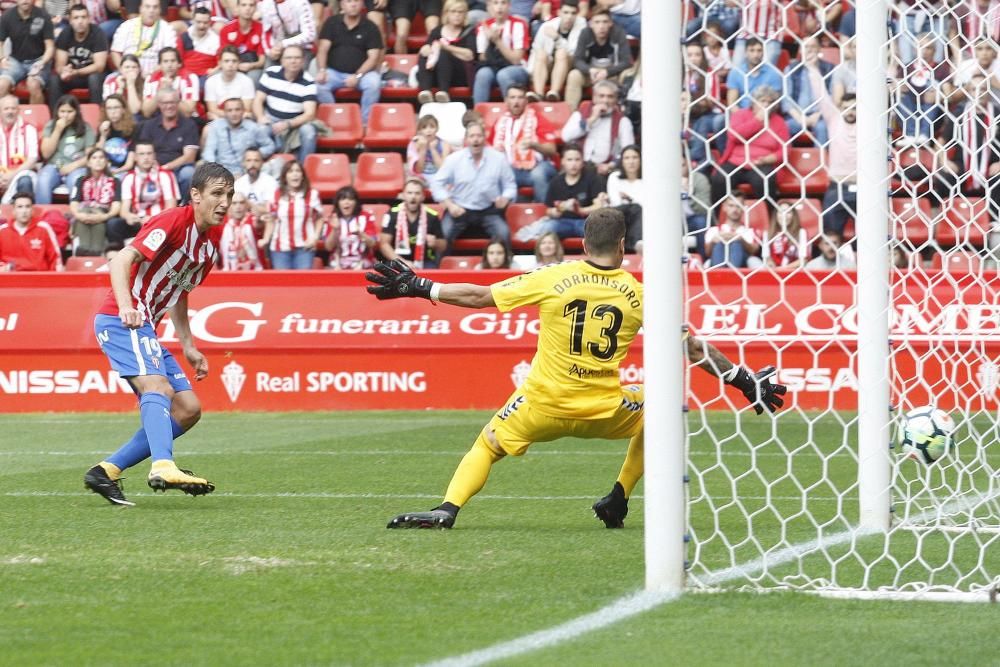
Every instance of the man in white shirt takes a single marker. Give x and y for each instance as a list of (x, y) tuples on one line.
[(227, 84), (144, 37), (552, 51), (833, 254), (259, 187)]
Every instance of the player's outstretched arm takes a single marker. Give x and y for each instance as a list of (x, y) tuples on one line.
[(396, 280), (756, 387)]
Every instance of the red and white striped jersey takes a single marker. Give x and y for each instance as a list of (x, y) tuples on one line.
[(514, 33), (295, 221), (238, 247), (149, 191), (186, 84), (351, 251), (177, 258), (762, 19)]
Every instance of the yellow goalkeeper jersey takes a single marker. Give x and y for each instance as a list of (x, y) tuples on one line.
[(589, 316)]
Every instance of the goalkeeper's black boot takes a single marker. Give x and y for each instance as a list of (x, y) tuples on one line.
[(436, 518), (612, 508), (96, 479)]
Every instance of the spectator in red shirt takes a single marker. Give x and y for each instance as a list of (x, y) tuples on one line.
[(199, 45), (527, 140), (502, 43), (755, 145), (27, 244), (247, 35)]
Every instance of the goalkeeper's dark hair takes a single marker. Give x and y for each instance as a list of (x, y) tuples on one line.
[(604, 230), (211, 171)]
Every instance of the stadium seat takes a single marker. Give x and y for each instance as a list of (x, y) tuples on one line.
[(403, 64), (966, 222), (37, 115), (379, 175), (757, 216), (91, 115), (449, 118), (911, 167), (803, 173), (456, 263), (345, 121), (85, 263), (390, 126), (911, 220), (555, 113), (519, 216), (490, 111), (328, 172), (958, 261)]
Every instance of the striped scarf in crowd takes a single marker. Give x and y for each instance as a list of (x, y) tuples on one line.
[(403, 236)]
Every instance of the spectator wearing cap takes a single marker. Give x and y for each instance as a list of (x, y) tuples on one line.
[(228, 138)]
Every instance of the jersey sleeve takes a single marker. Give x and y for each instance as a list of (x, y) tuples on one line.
[(523, 290), (161, 232)]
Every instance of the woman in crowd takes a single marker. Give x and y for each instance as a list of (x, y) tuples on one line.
[(127, 82), (625, 192), (548, 249), (65, 141), (447, 59), (352, 234), (496, 255), (426, 151), (116, 133), (96, 199), (786, 246), (297, 212)]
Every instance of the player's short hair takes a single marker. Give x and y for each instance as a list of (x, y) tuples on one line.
[(753, 41), (594, 13), (571, 147), (144, 143), (604, 230), (575, 4), (24, 194), (231, 50), (414, 181), (517, 86), (211, 171), (202, 9), (77, 7)]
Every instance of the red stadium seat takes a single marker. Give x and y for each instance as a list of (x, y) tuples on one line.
[(91, 115), (555, 113), (379, 175), (519, 216), (757, 216), (911, 220), (959, 261), (453, 262), (490, 111), (37, 115), (345, 121), (803, 173), (403, 64), (390, 126), (966, 222), (328, 172), (85, 263)]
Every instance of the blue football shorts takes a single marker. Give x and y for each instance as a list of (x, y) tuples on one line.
[(137, 352)]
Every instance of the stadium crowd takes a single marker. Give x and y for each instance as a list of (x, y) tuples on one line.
[(462, 133)]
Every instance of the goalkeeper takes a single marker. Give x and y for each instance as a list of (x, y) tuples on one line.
[(590, 313)]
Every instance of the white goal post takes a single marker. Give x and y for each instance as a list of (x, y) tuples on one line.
[(819, 498)]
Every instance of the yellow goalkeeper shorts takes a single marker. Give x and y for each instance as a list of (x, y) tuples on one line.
[(517, 425)]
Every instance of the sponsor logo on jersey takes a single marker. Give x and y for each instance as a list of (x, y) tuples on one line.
[(155, 239), (630, 405), (233, 377), (183, 278)]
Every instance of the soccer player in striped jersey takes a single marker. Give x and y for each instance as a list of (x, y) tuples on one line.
[(590, 312), (171, 255)]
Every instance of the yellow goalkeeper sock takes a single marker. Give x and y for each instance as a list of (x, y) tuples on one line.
[(631, 471), (472, 472)]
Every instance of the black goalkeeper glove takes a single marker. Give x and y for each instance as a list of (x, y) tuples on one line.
[(395, 280), (758, 388)]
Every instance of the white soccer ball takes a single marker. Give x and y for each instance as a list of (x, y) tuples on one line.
[(927, 434)]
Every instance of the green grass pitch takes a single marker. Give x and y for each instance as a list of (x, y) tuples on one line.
[(289, 562)]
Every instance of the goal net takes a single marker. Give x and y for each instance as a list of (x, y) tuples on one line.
[(781, 258)]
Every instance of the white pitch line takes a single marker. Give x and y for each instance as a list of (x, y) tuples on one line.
[(412, 452), (643, 601)]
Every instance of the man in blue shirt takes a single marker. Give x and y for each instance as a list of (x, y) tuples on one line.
[(742, 81), (229, 137), (475, 185)]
